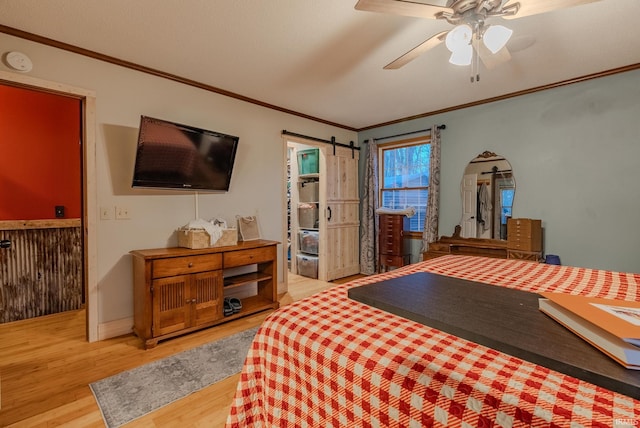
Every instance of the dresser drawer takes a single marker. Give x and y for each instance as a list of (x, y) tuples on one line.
[(391, 243), (387, 260), (392, 220), (523, 226), (185, 265), (247, 257), (519, 233)]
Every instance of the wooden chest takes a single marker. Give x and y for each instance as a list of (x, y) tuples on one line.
[(524, 234)]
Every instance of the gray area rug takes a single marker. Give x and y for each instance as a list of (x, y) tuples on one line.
[(134, 393)]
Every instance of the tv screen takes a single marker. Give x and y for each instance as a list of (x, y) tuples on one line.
[(175, 156)]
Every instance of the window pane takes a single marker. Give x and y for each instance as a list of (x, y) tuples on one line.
[(405, 180), (406, 166)]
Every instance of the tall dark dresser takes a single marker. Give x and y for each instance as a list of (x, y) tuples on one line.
[(392, 251)]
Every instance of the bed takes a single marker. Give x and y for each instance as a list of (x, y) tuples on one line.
[(329, 361)]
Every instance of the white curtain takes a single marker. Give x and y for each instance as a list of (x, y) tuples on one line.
[(430, 232), (369, 203)]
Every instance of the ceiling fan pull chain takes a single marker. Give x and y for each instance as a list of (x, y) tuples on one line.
[(477, 63), (476, 55)]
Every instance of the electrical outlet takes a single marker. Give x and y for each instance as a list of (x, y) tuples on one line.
[(105, 213), (122, 213)]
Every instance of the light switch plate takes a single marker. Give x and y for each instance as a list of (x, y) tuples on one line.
[(105, 213), (122, 213)]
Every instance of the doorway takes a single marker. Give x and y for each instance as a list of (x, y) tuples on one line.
[(87, 230), (303, 209), (322, 205)]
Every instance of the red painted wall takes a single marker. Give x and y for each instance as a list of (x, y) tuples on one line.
[(40, 155)]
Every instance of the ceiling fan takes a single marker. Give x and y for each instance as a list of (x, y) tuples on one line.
[(472, 37)]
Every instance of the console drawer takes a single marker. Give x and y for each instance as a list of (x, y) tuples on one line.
[(186, 265), (247, 257)]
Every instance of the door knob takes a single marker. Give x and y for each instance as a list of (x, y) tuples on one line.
[(5, 243)]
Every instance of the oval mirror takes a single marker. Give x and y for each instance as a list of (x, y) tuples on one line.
[(488, 188)]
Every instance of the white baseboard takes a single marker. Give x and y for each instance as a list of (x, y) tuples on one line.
[(115, 328)]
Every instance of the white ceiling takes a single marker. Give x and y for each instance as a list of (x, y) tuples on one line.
[(323, 58)]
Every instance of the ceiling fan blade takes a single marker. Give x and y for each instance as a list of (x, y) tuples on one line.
[(402, 7), (534, 7), (492, 60), (417, 51)]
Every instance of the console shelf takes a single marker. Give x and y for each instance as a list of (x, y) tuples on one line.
[(244, 279)]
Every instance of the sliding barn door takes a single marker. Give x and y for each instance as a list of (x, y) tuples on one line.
[(340, 221)]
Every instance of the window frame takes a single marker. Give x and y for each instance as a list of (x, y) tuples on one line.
[(417, 141)]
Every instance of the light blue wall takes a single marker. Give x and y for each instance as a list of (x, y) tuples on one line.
[(575, 152)]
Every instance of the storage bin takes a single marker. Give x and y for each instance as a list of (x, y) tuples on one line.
[(308, 191), (307, 266), (199, 238), (308, 241), (308, 161), (308, 216)]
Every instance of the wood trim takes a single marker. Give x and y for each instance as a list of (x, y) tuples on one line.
[(133, 66), (39, 224), (407, 142)]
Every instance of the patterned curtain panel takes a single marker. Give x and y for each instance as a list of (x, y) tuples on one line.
[(430, 232), (369, 204)]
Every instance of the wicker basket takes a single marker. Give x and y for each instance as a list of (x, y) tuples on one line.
[(199, 238), (229, 237)]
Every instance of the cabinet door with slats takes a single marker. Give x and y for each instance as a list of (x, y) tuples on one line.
[(171, 304), (206, 297)]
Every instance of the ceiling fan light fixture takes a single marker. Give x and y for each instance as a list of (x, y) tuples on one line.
[(496, 37), (459, 38), (462, 56)]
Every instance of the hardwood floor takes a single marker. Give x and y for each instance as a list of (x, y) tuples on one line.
[(46, 367)]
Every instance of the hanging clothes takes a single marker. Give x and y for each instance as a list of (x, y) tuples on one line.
[(484, 207)]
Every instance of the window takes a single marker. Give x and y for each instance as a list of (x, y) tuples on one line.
[(404, 178)]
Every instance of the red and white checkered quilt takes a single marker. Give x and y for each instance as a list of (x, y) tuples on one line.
[(328, 361)]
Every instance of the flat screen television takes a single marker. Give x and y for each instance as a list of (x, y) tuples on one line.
[(175, 156)]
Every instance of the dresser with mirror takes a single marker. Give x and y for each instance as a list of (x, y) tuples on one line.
[(487, 227)]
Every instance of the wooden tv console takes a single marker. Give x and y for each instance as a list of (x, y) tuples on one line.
[(181, 290)]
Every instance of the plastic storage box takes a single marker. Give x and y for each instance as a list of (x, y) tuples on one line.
[(308, 191), (308, 266), (308, 216), (308, 161), (308, 241)]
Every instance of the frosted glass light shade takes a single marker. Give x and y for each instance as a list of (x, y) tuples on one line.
[(495, 37), (459, 37), (462, 56)]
